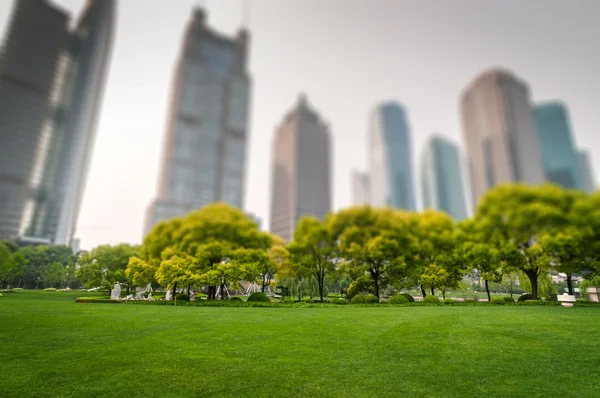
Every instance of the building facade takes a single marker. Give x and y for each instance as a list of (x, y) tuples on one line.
[(390, 158), (204, 153), (588, 180), (33, 43), (500, 133), (360, 185), (301, 179), (559, 154), (52, 210), (441, 178)]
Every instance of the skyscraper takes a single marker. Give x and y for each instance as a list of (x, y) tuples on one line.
[(390, 157), (441, 178), (559, 155), (301, 179), (57, 190), (206, 135), (33, 43), (500, 133), (587, 173), (360, 185)]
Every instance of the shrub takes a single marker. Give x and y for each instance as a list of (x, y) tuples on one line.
[(182, 297), (18, 289), (497, 301), (410, 298), (64, 290), (431, 299), (399, 299), (525, 296), (371, 299), (1, 294), (339, 301), (509, 300), (7, 291), (469, 301), (235, 299), (309, 301), (289, 300), (359, 299), (448, 301), (50, 289), (259, 297)]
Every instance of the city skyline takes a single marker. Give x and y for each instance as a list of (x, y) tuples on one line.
[(123, 174)]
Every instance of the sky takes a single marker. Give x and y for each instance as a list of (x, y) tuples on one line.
[(347, 56)]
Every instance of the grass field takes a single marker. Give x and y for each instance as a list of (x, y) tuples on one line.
[(51, 346)]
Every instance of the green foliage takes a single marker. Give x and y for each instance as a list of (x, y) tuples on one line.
[(431, 299), (105, 265), (289, 300), (50, 289), (235, 298), (258, 297), (410, 298), (525, 297), (359, 299), (339, 301), (448, 301), (498, 301), (371, 299), (509, 300), (182, 297), (362, 284), (469, 301), (309, 301), (399, 299)]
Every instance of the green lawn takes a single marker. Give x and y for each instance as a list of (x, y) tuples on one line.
[(51, 346)]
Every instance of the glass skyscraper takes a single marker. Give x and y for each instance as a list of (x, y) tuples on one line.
[(441, 178), (205, 143), (559, 154), (390, 158), (586, 172), (62, 84)]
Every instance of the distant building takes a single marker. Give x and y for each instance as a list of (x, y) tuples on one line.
[(204, 154), (500, 133), (559, 155), (587, 172), (360, 185), (33, 44), (51, 89), (390, 158), (301, 182), (441, 178)]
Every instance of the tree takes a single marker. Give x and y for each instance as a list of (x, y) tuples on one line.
[(512, 218), (105, 265), (54, 275), (177, 269), (436, 277), (372, 242), (431, 241), (211, 236), (313, 251)]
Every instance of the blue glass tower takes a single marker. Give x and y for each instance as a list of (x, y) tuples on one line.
[(391, 158), (559, 155)]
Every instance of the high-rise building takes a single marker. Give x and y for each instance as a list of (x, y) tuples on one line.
[(32, 46), (441, 178), (390, 157), (586, 171), (206, 136), (360, 188), (500, 133), (52, 210), (559, 154), (301, 179)]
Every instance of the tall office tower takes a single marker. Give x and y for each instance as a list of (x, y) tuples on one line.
[(57, 190), (360, 183), (500, 133), (441, 178), (301, 184), (586, 172), (559, 154), (206, 135), (390, 157), (33, 42)]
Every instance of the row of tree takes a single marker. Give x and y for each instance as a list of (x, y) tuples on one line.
[(516, 229)]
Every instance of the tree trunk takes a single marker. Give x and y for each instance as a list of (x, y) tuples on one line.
[(174, 290), (487, 290), (222, 291), (533, 278), (423, 292), (188, 291), (376, 280), (444, 294), (432, 291), (570, 284)]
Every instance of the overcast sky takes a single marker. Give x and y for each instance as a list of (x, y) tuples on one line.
[(346, 55)]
